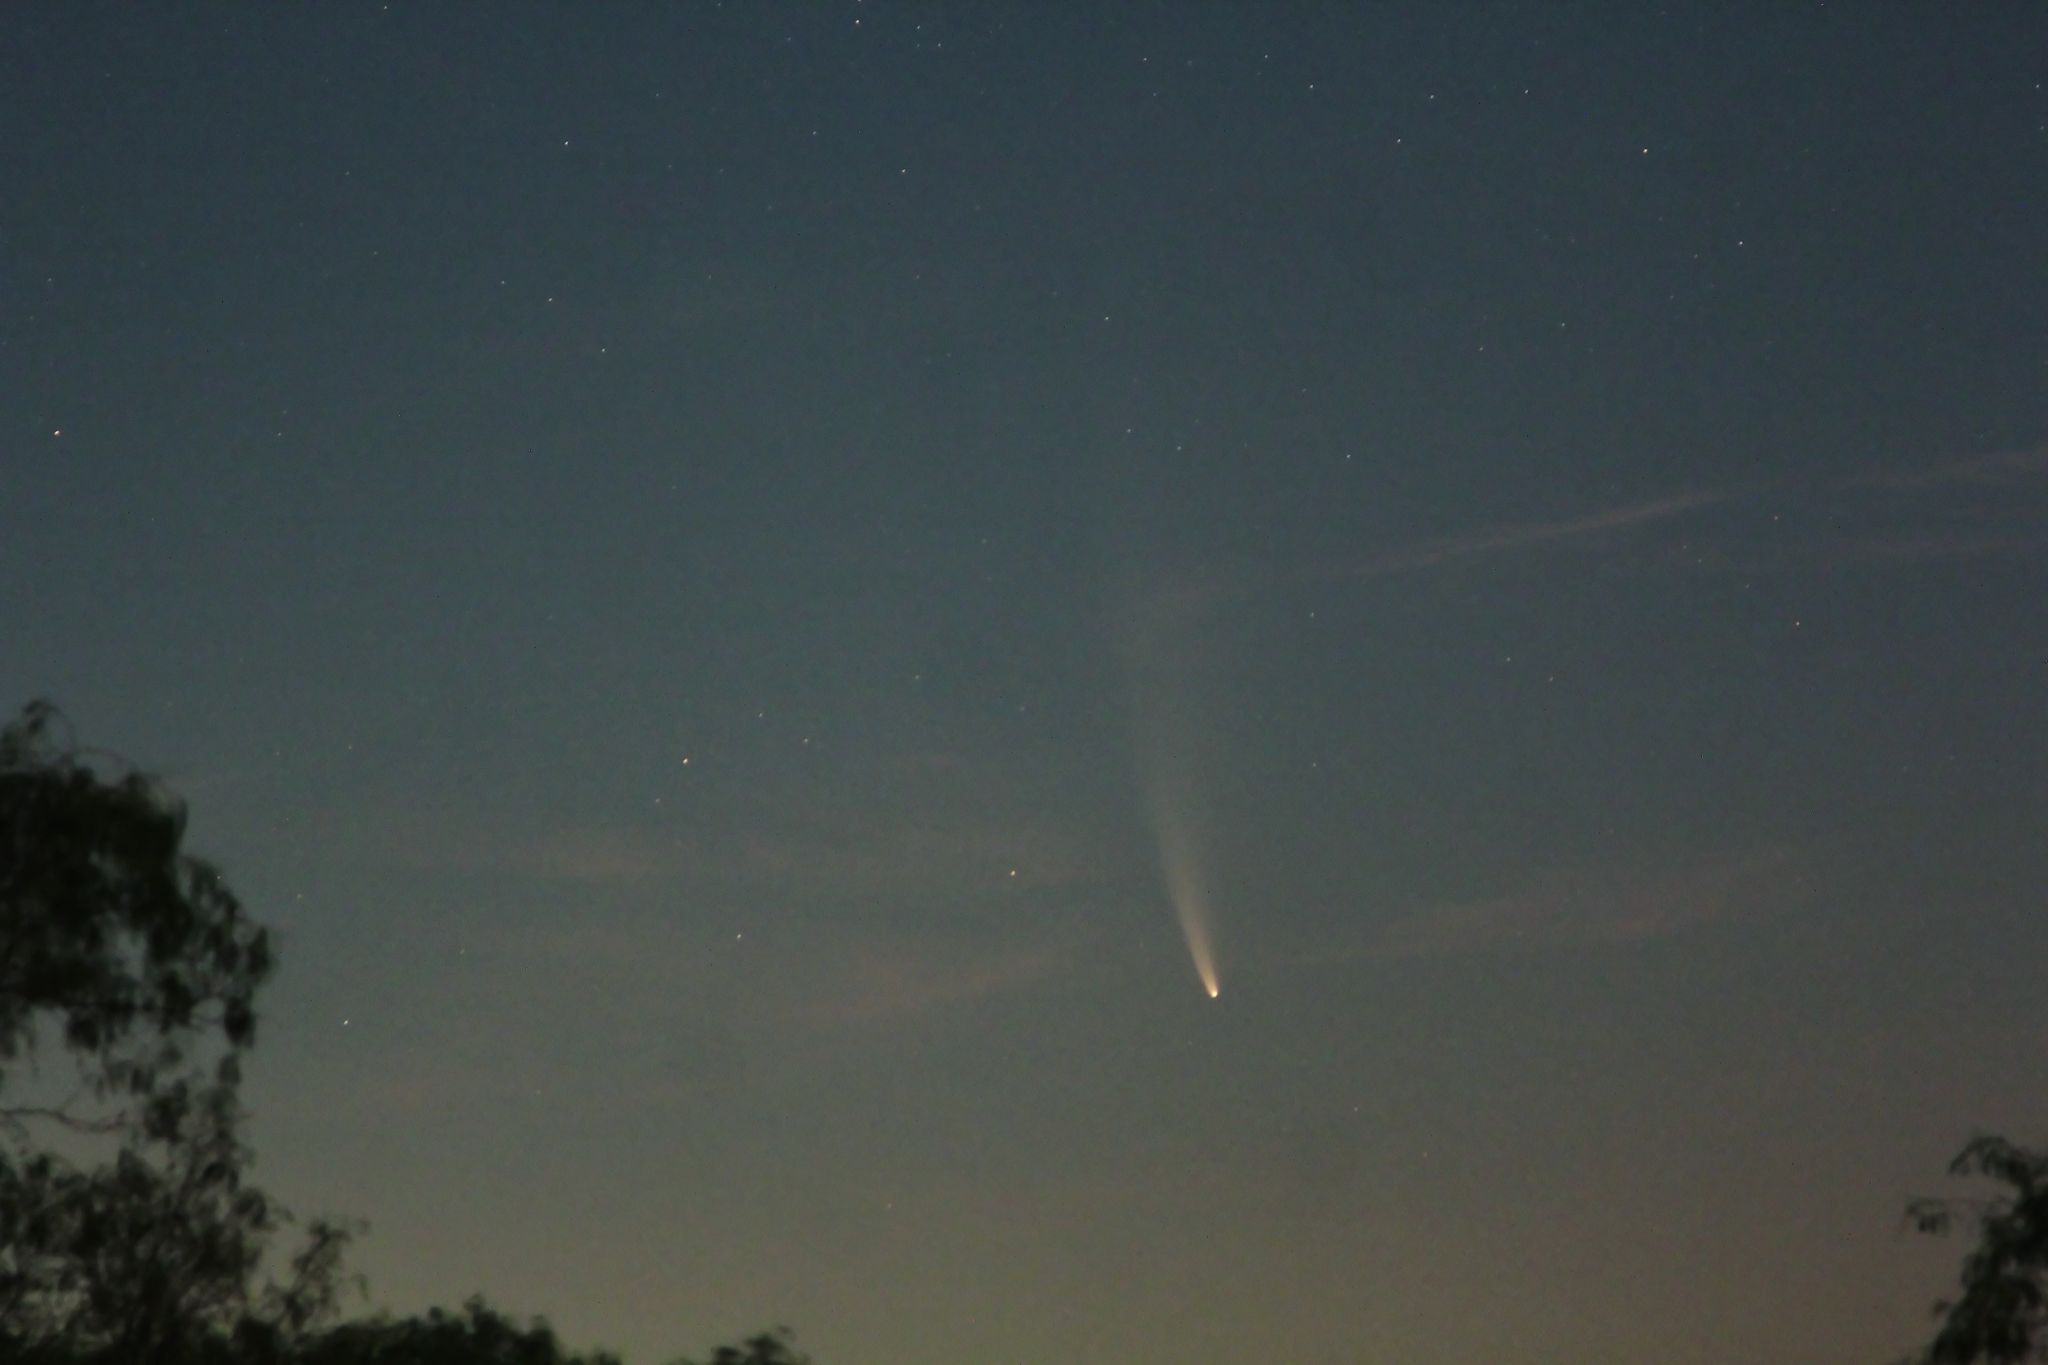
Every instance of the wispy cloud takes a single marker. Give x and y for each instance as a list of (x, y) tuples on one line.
[(1932, 546), (895, 851), (1899, 532), (2003, 469), (597, 856), (446, 838), (1139, 606), (1808, 527), (1591, 906), (1528, 535), (885, 980), (817, 847)]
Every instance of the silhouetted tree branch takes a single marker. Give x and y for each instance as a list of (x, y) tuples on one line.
[(134, 960), (110, 932), (768, 1348), (2001, 1315)]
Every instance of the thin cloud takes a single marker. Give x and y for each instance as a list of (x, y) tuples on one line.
[(2003, 469), (444, 839), (1193, 591), (597, 856), (899, 851), (822, 850), (1591, 907), (1527, 535), (1909, 549), (885, 981)]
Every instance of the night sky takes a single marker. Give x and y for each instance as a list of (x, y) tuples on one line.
[(727, 578)]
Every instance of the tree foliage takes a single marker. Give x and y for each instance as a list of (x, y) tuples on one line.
[(477, 1335), (132, 959), (109, 931), (130, 1233), (2001, 1315), (768, 1348)]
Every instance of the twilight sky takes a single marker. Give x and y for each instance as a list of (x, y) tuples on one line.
[(716, 571)]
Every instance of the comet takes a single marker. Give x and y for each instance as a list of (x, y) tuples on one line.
[(1181, 865), (1157, 645)]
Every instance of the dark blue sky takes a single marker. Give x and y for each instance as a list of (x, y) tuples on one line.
[(696, 561)]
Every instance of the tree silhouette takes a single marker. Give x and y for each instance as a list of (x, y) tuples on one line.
[(109, 930), (768, 1348), (2001, 1316), (133, 959), (478, 1335)]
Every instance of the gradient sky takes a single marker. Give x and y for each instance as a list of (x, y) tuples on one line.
[(689, 559)]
